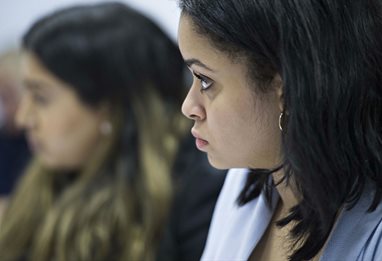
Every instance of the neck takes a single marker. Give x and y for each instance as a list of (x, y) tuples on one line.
[(288, 197)]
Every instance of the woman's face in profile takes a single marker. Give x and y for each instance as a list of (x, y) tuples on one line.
[(61, 130), (233, 124)]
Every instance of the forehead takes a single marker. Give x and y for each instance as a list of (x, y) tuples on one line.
[(33, 68), (193, 45), (35, 73), (223, 68)]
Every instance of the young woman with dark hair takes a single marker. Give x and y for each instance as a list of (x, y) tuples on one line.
[(103, 85), (291, 91)]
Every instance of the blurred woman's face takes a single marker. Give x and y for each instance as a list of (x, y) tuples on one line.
[(62, 131)]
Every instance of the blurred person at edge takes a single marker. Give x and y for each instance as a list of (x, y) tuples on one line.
[(14, 152), (103, 88)]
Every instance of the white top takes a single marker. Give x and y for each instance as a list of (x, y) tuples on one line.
[(234, 230)]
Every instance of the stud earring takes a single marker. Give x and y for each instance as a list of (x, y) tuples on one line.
[(106, 128)]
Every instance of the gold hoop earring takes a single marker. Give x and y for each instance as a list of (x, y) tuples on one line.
[(280, 120)]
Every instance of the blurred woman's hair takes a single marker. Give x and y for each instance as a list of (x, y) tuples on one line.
[(113, 208), (328, 54)]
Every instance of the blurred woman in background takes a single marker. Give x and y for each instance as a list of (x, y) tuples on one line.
[(103, 85)]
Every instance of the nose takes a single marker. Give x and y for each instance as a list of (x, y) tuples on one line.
[(193, 107), (24, 115)]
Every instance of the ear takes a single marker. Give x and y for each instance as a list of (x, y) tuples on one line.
[(277, 83), (104, 110)]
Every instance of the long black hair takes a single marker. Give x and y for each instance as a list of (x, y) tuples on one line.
[(329, 55)]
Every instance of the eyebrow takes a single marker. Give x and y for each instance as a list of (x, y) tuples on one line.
[(34, 85), (190, 62)]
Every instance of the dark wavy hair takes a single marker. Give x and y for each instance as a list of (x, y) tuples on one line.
[(117, 50), (329, 55), (115, 208)]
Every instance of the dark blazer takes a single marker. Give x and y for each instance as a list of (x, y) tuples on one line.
[(197, 186), (14, 156)]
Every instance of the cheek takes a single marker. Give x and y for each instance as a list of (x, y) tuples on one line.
[(264, 137), (231, 127), (69, 141), (247, 136)]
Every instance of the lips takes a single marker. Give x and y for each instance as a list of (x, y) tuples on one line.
[(199, 142)]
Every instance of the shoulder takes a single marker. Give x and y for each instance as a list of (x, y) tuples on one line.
[(234, 227), (373, 246), (357, 234)]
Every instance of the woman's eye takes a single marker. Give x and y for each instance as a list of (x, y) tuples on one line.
[(205, 82), (40, 100)]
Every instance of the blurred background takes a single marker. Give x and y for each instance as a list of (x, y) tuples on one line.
[(17, 15)]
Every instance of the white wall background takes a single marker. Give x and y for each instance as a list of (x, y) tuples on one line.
[(17, 15)]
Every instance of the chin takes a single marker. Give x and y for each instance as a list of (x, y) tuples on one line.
[(218, 164), (49, 163), (224, 164), (53, 164)]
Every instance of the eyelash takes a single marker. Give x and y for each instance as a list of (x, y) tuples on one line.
[(204, 80)]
